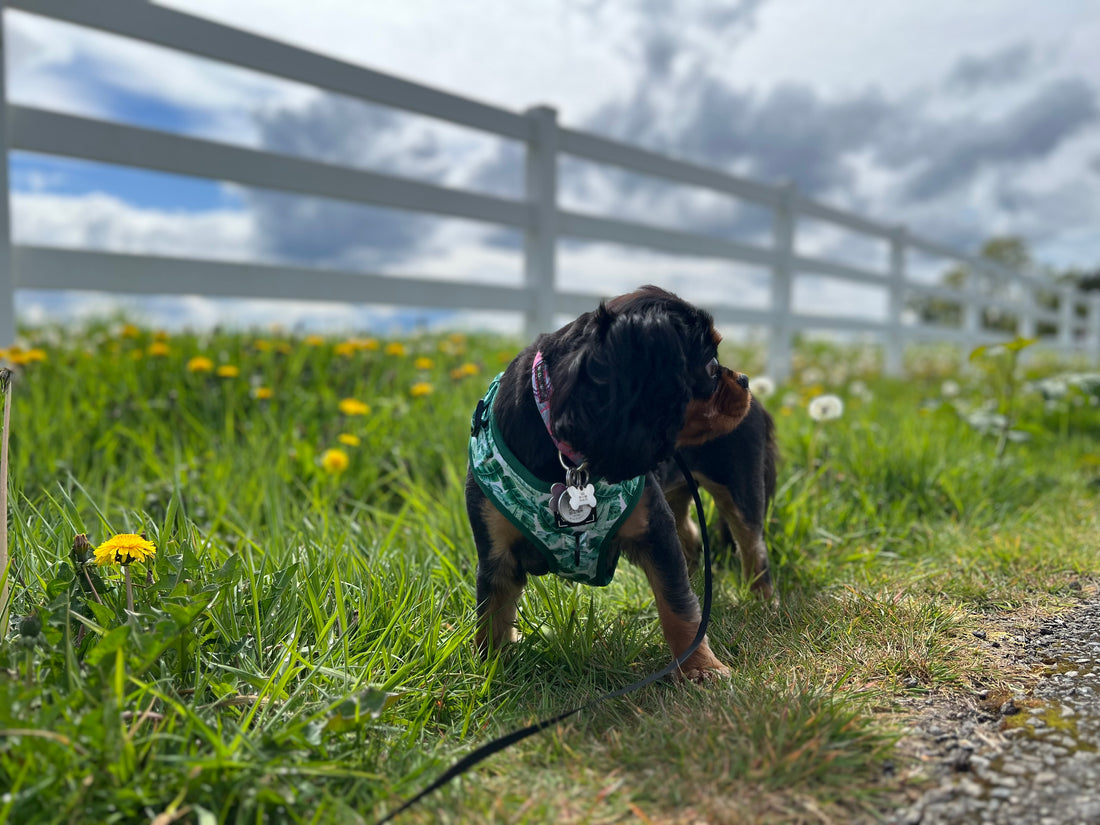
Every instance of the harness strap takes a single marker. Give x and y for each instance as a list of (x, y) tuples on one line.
[(499, 744)]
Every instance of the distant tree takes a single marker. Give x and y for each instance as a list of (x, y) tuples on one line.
[(1089, 282), (1009, 251)]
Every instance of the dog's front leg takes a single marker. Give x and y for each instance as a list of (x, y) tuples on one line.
[(500, 579), (651, 542)]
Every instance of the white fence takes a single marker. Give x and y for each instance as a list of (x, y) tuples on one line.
[(1075, 322)]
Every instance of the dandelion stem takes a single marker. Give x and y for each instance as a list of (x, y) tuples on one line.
[(5, 386), (129, 588)]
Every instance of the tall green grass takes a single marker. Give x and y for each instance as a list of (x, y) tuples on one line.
[(301, 646)]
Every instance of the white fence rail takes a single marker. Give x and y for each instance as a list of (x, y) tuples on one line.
[(1075, 323)]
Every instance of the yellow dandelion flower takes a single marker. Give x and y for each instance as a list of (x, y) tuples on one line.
[(200, 363), (369, 344), (423, 363), (228, 371), (420, 389), (160, 335), (334, 461), (159, 349), (353, 406), (125, 548), (129, 331), (284, 348), (314, 341), (467, 370), (262, 345), (263, 393), (348, 439), (346, 349), (395, 348), (18, 356)]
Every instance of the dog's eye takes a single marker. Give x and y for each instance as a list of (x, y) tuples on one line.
[(712, 368)]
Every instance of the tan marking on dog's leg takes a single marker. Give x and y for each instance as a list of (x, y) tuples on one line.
[(679, 631), (497, 617), (637, 523), (750, 543)]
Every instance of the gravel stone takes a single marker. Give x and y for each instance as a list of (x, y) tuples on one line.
[(1038, 761)]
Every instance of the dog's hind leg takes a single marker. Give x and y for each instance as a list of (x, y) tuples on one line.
[(749, 537)]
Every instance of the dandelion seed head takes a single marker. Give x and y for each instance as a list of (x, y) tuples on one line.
[(826, 408), (762, 386)]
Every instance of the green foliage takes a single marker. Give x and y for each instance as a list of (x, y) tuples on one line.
[(300, 647)]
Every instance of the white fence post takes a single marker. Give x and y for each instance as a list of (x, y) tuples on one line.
[(894, 351), (1025, 318), (7, 276), (541, 240), (1094, 326), (972, 315), (1067, 317), (783, 229)]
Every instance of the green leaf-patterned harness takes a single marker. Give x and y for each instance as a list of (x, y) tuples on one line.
[(581, 553)]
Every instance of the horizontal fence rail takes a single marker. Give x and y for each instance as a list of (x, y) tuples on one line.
[(1069, 321)]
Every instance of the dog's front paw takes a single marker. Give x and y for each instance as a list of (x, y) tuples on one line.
[(702, 666)]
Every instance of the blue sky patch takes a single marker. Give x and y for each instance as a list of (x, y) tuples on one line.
[(32, 172)]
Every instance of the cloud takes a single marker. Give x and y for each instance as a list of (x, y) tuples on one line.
[(103, 222), (85, 72), (958, 151), (1005, 67), (349, 132)]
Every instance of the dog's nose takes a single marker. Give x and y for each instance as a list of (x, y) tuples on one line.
[(743, 380)]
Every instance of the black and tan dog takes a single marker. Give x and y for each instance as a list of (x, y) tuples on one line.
[(570, 463)]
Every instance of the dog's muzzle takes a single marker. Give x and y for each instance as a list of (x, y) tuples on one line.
[(743, 380)]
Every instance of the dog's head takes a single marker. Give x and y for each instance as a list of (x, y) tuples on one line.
[(639, 377)]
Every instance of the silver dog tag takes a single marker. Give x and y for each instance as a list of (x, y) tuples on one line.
[(582, 496), (573, 506)]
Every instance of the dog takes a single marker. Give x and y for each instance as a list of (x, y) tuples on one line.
[(571, 464)]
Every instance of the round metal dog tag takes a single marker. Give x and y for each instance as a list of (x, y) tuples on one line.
[(571, 514)]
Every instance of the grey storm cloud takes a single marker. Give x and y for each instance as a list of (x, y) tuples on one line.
[(680, 105), (958, 151), (317, 230), (348, 132), (789, 134), (1001, 68)]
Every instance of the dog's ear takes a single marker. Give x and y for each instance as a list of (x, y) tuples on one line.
[(603, 320)]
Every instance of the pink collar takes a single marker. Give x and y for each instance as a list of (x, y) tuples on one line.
[(540, 385)]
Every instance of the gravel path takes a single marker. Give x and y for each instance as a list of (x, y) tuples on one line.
[(1033, 759)]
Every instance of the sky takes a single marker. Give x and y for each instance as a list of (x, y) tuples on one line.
[(959, 120)]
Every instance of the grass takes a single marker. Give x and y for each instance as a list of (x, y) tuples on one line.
[(301, 645)]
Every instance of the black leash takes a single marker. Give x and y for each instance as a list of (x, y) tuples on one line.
[(497, 745)]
